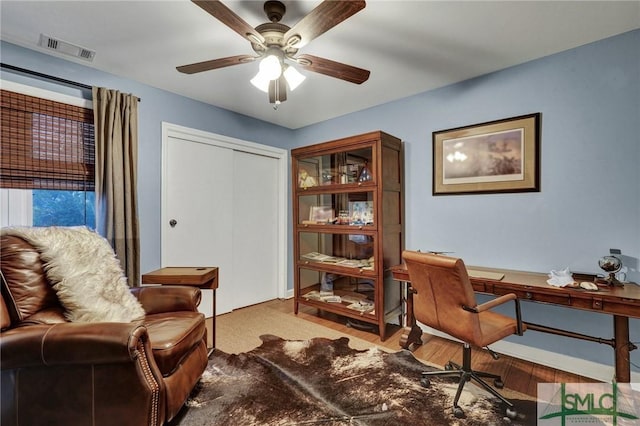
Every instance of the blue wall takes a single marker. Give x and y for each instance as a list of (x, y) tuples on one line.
[(589, 98), (589, 202)]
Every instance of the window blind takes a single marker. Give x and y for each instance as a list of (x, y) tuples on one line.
[(45, 144)]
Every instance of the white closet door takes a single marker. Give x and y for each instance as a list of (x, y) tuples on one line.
[(198, 197), (225, 205), (255, 228)]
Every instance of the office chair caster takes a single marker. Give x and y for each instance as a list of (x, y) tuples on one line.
[(511, 413), (458, 413), (498, 383), (425, 382)]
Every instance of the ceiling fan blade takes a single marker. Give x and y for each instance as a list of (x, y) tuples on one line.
[(333, 69), (325, 16), (215, 63), (225, 15)]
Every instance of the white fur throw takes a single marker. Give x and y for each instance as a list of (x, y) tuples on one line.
[(85, 273)]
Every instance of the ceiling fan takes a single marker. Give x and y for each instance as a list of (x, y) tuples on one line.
[(275, 43)]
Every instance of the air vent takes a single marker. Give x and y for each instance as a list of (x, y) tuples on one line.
[(60, 46)]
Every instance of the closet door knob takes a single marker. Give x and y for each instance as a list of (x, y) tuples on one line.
[(173, 223)]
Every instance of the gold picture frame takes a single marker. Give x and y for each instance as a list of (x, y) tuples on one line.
[(492, 157)]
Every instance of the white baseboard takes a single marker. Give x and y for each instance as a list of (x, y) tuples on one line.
[(593, 370)]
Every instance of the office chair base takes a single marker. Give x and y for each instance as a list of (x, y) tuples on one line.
[(465, 374), (497, 380)]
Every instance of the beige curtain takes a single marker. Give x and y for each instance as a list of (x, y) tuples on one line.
[(116, 137)]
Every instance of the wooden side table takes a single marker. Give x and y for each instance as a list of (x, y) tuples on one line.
[(202, 277)]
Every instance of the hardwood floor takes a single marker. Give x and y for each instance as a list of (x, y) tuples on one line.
[(518, 375)]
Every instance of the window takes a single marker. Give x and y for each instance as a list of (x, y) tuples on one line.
[(47, 163)]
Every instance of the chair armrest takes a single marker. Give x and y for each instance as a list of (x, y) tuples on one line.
[(167, 298), (490, 304), (71, 343)]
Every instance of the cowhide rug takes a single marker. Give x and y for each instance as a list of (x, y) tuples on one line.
[(325, 382)]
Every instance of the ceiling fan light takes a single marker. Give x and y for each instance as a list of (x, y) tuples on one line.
[(293, 77), (261, 82), (270, 67), (277, 91)]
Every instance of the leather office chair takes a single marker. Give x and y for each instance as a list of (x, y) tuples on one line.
[(444, 300)]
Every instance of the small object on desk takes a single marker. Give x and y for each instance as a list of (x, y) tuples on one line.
[(611, 264), (588, 286), (560, 278), (485, 274), (584, 276)]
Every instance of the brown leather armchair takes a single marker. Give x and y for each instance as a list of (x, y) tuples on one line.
[(57, 372), (443, 298)]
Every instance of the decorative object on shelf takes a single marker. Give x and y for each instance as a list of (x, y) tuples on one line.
[(343, 217), (361, 213), (327, 176), (321, 214), (611, 265), (365, 174), (305, 180), (326, 284), (497, 156)]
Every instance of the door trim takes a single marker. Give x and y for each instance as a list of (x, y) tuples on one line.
[(170, 130)]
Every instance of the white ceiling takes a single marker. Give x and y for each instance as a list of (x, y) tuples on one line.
[(409, 46)]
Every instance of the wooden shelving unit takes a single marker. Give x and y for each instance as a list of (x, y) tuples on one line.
[(348, 227)]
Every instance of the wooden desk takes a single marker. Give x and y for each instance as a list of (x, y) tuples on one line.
[(204, 278), (621, 302)]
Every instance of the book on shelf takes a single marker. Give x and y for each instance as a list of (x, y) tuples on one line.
[(323, 296), (352, 299), (332, 259), (362, 306), (354, 263), (314, 256)]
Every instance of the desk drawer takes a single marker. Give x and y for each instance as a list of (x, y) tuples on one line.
[(534, 295)]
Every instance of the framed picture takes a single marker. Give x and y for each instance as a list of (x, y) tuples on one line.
[(308, 173), (361, 213), (321, 214), (498, 156)]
